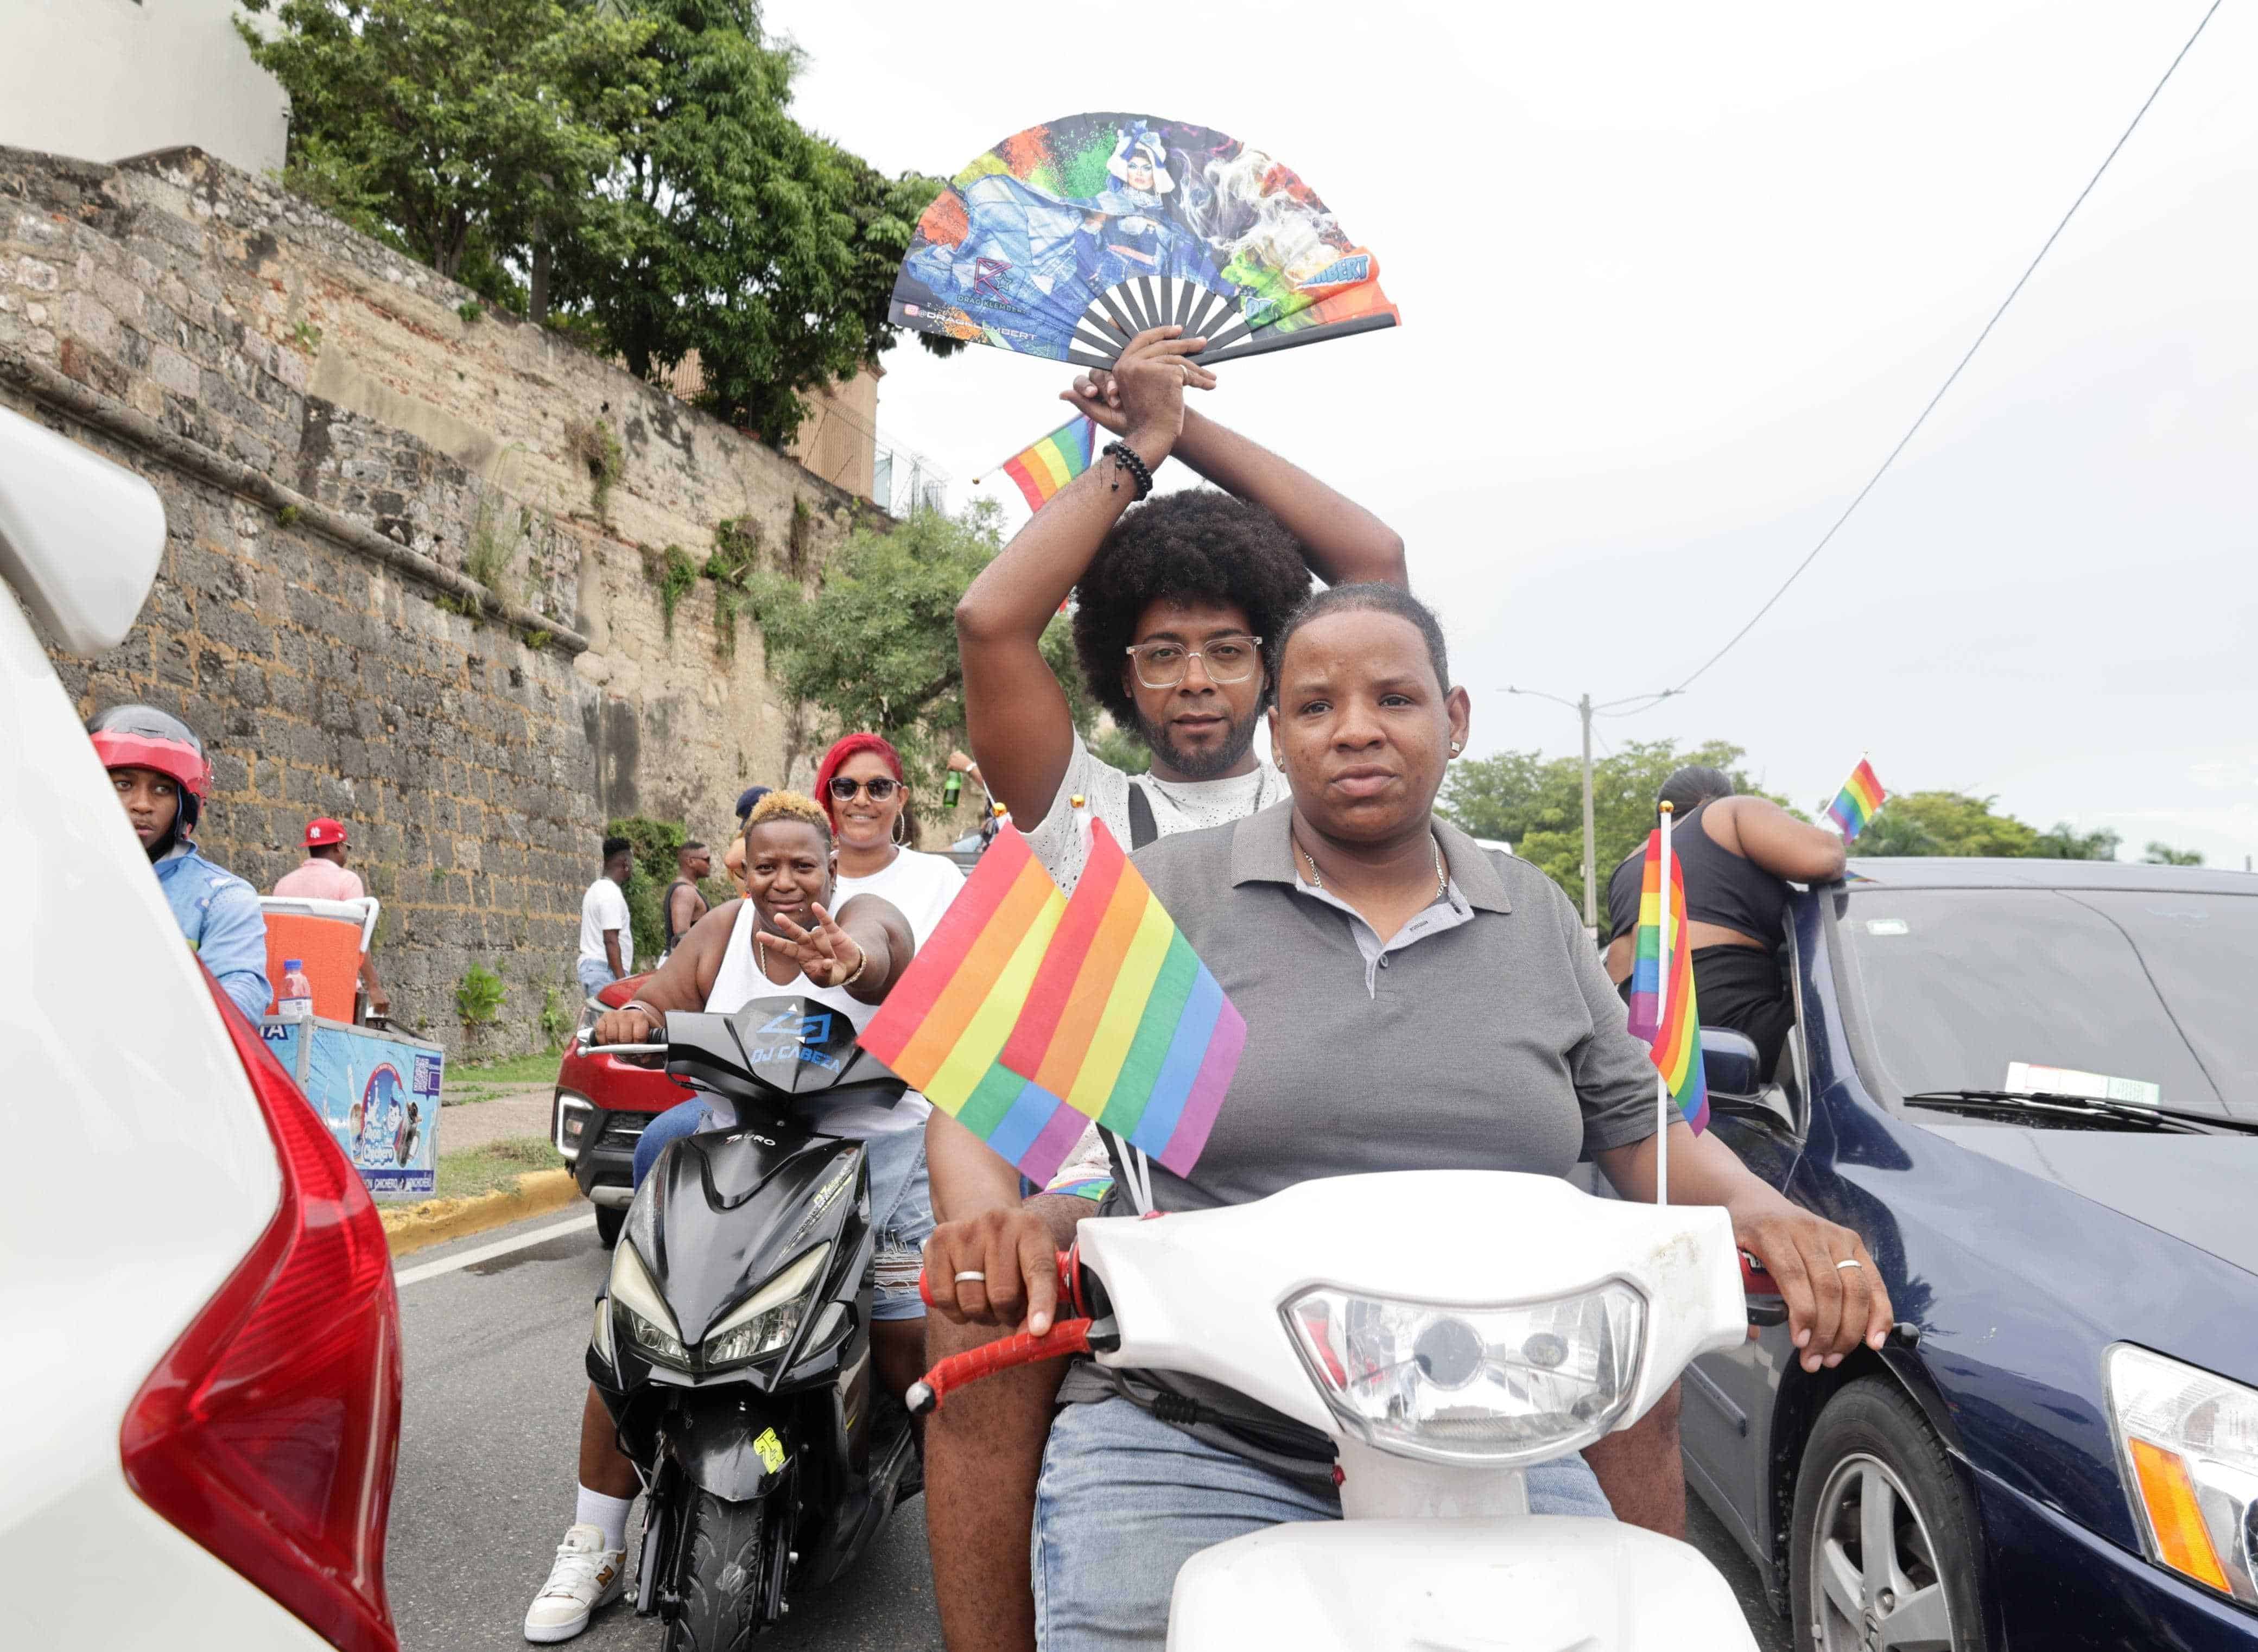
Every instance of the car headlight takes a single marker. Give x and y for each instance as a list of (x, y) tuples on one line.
[(638, 1303), (2187, 1442), (1504, 1385), (768, 1319), (576, 1117)]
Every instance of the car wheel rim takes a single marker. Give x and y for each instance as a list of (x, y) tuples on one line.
[(1876, 1585)]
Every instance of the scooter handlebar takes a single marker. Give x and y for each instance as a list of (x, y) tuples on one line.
[(1068, 1283), (1067, 1336)]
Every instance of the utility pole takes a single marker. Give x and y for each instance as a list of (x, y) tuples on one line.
[(1591, 870), (1583, 708)]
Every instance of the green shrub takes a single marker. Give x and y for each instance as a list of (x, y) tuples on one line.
[(478, 996)]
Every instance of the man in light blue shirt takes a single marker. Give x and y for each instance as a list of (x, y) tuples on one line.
[(159, 768)]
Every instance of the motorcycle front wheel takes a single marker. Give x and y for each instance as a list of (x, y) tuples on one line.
[(723, 1574)]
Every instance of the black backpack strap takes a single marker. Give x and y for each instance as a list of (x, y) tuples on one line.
[(1142, 827)]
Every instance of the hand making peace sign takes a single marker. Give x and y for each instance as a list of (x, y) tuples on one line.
[(826, 954)]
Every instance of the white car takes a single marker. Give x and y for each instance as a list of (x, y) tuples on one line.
[(200, 1403)]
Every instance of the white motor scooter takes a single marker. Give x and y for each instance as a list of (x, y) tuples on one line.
[(1447, 1328)]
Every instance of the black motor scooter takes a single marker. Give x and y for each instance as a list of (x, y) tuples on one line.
[(733, 1344)]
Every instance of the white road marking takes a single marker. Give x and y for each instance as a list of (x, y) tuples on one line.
[(487, 1252)]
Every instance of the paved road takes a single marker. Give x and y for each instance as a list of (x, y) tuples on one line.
[(494, 1391)]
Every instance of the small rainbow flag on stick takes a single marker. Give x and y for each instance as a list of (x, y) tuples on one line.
[(1114, 1019), (1860, 799), (1040, 470), (1662, 1011)]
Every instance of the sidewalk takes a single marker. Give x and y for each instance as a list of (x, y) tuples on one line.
[(523, 1111)]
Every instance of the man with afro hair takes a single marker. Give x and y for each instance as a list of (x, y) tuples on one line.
[(1174, 599)]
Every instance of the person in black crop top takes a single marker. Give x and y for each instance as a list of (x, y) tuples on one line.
[(1739, 854)]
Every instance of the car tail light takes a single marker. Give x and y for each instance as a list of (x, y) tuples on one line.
[(267, 1432)]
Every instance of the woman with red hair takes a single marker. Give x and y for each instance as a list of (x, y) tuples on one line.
[(860, 786)]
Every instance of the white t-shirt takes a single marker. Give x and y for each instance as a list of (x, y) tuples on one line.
[(1184, 807), (605, 906), (920, 886)]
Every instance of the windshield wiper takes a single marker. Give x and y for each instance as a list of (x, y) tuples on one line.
[(2088, 1109)]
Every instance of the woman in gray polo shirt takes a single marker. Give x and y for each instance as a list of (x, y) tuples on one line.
[(1412, 1003)]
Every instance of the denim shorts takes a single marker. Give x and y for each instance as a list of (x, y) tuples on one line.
[(1125, 1499), (901, 1199), (595, 975)]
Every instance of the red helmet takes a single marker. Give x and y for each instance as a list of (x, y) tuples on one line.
[(143, 737)]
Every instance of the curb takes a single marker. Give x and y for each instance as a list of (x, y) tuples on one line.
[(412, 1227)]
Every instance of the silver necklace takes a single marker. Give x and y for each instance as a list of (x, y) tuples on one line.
[(1442, 881)]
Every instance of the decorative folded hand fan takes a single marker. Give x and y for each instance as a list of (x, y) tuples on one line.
[(1068, 239)]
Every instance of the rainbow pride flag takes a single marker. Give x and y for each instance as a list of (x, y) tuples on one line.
[(1052, 462), (1662, 1008), (1860, 799), (947, 1020), (1116, 1020)]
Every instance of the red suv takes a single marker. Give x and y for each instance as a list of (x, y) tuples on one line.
[(600, 1108)]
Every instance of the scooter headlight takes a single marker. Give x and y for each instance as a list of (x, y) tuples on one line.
[(2188, 1444), (768, 1319), (1502, 1385), (642, 1310)]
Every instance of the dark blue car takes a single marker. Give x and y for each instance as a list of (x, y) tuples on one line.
[(2034, 1086)]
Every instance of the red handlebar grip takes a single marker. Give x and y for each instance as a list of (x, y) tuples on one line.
[(1067, 1336)]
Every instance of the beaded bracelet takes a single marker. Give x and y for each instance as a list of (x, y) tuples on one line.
[(1128, 458)]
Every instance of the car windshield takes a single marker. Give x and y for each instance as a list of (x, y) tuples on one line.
[(2138, 995)]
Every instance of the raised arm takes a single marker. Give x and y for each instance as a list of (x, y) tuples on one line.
[(1014, 710), (1775, 840), (1343, 543)]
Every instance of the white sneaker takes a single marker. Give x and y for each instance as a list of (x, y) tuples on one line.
[(587, 1576)]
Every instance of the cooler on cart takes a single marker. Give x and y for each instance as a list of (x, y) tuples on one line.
[(377, 1089)]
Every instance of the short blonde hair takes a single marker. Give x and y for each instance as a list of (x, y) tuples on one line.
[(788, 805)]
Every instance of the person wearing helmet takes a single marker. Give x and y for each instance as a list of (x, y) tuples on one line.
[(159, 768), (324, 876)]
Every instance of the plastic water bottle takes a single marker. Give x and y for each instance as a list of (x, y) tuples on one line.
[(296, 1001)]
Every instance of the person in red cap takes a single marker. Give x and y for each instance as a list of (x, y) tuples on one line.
[(323, 876), (162, 776)]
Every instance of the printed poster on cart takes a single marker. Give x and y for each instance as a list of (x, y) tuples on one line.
[(378, 1094)]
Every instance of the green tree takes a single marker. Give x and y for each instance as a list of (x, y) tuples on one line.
[(2066, 842), (1537, 804), (874, 644), (459, 132), (2165, 854), (737, 235), (1945, 823)]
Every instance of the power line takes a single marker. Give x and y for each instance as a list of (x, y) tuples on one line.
[(1954, 375)]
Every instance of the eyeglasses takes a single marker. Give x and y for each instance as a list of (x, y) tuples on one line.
[(1228, 659), (880, 789)]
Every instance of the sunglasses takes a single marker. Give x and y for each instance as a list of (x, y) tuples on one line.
[(880, 789)]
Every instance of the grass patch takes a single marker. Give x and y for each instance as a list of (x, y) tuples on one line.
[(486, 1080), (496, 1165)]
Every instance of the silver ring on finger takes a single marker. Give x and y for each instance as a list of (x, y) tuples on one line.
[(1853, 1262), (972, 1273)]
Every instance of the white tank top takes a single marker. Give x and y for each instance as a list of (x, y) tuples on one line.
[(739, 981)]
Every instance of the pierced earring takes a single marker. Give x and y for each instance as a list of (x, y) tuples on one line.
[(1455, 748)]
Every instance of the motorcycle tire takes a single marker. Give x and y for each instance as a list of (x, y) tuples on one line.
[(1872, 1442), (723, 1573), (608, 1223)]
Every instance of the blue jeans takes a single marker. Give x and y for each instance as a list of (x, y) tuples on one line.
[(1125, 1499), (595, 975), (901, 1199)]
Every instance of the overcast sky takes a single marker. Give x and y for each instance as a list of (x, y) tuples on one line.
[(1674, 279)]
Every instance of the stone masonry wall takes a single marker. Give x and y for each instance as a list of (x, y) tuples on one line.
[(391, 591)]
